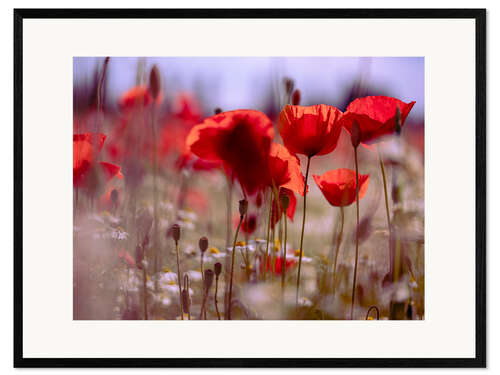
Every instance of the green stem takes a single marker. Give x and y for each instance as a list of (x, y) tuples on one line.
[(215, 296), (384, 180), (179, 279), (232, 269), (155, 198), (145, 289), (268, 231), (357, 233), (283, 258), (202, 279), (229, 202), (302, 234), (339, 241)]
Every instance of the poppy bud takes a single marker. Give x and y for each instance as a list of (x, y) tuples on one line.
[(114, 196), (243, 207), (186, 301), (139, 256), (203, 243), (176, 232), (397, 121), (154, 82), (218, 268), (289, 84), (296, 97), (355, 134), (285, 201), (217, 110), (208, 279)]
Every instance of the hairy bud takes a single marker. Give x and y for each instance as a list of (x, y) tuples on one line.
[(296, 97), (203, 243), (355, 134), (176, 232), (154, 82), (285, 201), (243, 207), (217, 268), (208, 279)]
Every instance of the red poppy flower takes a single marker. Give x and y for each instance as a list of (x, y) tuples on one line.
[(84, 155), (188, 160), (241, 139), (339, 186), (284, 169), (290, 262), (186, 108), (376, 116), (310, 131), (137, 96), (249, 225), (195, 200)]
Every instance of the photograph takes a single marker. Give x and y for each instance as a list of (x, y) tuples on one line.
[(248, 188)]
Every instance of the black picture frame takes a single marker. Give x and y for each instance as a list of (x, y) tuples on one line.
[(479, 15)]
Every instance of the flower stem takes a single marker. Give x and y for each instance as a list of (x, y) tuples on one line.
[(215, 296), (202, 279), (357, 233), (229, 202), (339, 241), (145, 289), (232, 269), (283, 258), (155, 198), (302, 234), (386, 202), (268, 231), (179, 278)]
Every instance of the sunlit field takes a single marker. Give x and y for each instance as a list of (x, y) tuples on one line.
[(248, 188)]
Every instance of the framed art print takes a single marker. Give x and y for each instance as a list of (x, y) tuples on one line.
[(250, 188)]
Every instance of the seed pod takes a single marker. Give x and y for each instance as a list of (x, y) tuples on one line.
[(186, 301), (285, 201), (203, 243), (243, 207), (154, 82), (114, 196), (217, 110), (217, 268), (208, 279), (355, 134), (176, 232), (296, 97)]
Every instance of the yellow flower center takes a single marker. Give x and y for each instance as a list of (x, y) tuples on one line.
[(213, 250)]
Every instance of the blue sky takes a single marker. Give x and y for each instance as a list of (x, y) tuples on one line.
[(242, 82)]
